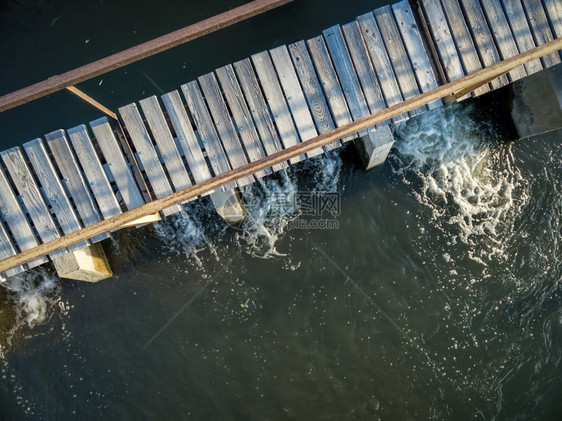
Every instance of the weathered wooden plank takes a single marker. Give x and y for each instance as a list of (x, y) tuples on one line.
[(31, 196), (258, 108), (553, 10), (346, 73), (52, 188), (118, 166), (241, 114), (312, 89), (169, 153), (206, 129), (330, 83), (186, 137), (93, 171), (223, 123), (443, 39), (16, 221), (502, 35), (521, 31), (364, 68), (7, 249), (419, 57), (72, 179), (276, 101), (366, 28), (399, 60), (482, 37), (146, 154), (463, 41), (540, 28), (294, 95)]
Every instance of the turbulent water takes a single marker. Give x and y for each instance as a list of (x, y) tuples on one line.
[(428, 288)]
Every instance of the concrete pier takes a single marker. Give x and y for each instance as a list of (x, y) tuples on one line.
[(536, 104), (374, 147), (88, 264), (229, 206)]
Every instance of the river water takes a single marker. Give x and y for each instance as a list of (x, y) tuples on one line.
[(427, 288)]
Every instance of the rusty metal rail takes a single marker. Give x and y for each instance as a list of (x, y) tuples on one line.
[(138, 52)]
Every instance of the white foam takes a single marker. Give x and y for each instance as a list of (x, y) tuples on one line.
[(35, 293), (274, 202), (33, 297), (466, 180), (270, 205), (183, 233)]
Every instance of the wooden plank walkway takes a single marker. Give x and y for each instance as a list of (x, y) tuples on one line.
[(73, 181), (415, 49), (30, 196), (168, 152), (330, 83), (347, 75), (521, 31), (245, 112), (295, 96), (366, 74), (223, 123), (443, 39), (7, 249), (242, 118), (553, 9), (453, 89), (503, 36), (146, 154), (540, 29), (482, 36), (117, 164), (93, 172), (206, 129), (16, 221), (52, 187), (463, 40), (405, 78), (276, 101), (258, 107), (312, 88)]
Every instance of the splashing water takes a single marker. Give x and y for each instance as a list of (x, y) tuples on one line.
[(326, 171), (273, 203), (467, 181), (270, 205), (33, 291), (183, 233), (32, 298)]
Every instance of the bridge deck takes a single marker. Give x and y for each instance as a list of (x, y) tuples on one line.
[(259, 106)]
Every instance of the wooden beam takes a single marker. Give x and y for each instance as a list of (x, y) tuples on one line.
[(181, 196), (85, 97), (143, 220), (138, 52), (454, 97)]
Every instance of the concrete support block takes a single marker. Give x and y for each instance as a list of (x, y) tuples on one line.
[(374, 147), (555, 75), (229, 206), (87, 264), (537, 102)]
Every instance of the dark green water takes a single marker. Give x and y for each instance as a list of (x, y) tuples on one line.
[(436, 295), (39, 39)]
